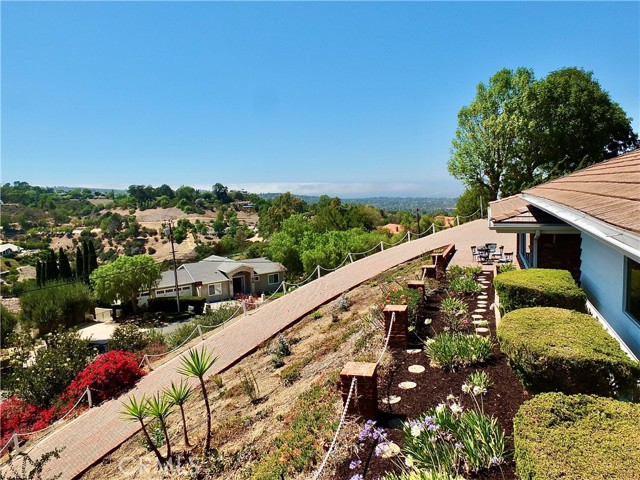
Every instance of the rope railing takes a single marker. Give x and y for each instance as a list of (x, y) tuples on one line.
[(15, 437), (352, 388), (348, 400), (386, 342), (198, 328)]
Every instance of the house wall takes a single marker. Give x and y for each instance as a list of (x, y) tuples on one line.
[(560, 251), (603, 278), (225, 295), (262, 284)]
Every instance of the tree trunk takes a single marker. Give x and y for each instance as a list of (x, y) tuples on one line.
[(153, 445), (166, 437), (184, 428), (207, 444)]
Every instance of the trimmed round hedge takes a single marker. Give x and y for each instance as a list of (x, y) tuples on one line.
[(539, 287), (577, 437), (553, 349)]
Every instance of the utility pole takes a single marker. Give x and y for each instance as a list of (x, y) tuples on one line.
[(481, 212), (418, 218), (169, 232)]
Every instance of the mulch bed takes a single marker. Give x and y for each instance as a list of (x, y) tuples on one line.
[(502, 400)]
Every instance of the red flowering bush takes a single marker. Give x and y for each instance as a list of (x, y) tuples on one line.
[(107, 376), (19, 416)]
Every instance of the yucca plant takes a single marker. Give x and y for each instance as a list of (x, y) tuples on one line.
[(196, 364), (160, 407), (136, 412), (178, 395)]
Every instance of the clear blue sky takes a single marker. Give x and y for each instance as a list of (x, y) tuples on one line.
[(339, 98)]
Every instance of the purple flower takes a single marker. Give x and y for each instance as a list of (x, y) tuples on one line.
[(497, 461), (355, 464), (357, 476), (457, 445)]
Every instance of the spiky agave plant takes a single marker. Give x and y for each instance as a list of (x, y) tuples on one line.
[(160, 407), (178, 395), (196, 364), (137, 411)]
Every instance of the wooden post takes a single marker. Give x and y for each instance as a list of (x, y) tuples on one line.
[(364, 399), (400, 328), (199, 327), (89, 399)]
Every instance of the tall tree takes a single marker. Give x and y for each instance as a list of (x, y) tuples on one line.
[(486, 138), (85, 260), (125, 278), (65, 267), (39, 279), (518, 131), (79, 263), (93, 259), (52, 266)]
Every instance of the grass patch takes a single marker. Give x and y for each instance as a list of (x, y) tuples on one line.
[(300, 446)]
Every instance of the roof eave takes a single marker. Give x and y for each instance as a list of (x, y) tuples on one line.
[(521, 227), (624, 241)]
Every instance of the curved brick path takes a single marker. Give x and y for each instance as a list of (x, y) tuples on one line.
[(100, 430)]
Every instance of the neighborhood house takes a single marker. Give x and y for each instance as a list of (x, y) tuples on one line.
[(218, 278), (587, 222)]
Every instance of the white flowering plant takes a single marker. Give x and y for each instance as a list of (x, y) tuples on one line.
[(450, 441)]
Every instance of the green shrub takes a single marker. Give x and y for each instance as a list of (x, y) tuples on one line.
[(451, 350), (577, 437), (209, 319), (169, 304), (539, 287), (39, 377), (553, 349), (63, 305), (457, 271), (506, 267), (464, 285), (8, 322), (130, 338)]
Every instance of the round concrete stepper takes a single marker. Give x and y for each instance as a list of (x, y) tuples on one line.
[(391, 399), (482, 330), (416, 369), (484, 287), (482, 297), (477, 316), (407, 385), (481, 302), (414, 350), (480, 310), (477, 322)]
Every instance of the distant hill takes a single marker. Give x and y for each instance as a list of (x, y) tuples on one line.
[(389, 204)]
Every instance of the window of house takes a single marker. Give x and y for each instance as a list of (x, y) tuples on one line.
[(215, 289), (633, 289), (274, 278)]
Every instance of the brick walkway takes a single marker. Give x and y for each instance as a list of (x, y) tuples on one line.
[(100, 430)]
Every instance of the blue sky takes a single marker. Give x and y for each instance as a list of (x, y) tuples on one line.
[(353, 99)]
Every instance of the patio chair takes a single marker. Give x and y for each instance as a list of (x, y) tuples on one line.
[(506, 258), (491, 246), (474, 253)]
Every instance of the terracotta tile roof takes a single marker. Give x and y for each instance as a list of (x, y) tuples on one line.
[(608, 191), (517, 210)]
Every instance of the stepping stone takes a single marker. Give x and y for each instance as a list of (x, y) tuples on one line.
[(482, 330), (484, 287), (477, 322), (480, 310), (416, 369), (482, 297), (407, 385), (481, 302), (414, 350), (477, 316), (391, 399)]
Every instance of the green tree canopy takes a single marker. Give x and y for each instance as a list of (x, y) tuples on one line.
[(124, 278), (519, 131)]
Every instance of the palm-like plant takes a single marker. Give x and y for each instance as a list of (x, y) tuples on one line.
[(178, 395), (196, 364), (160, 408), (137, 411)]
